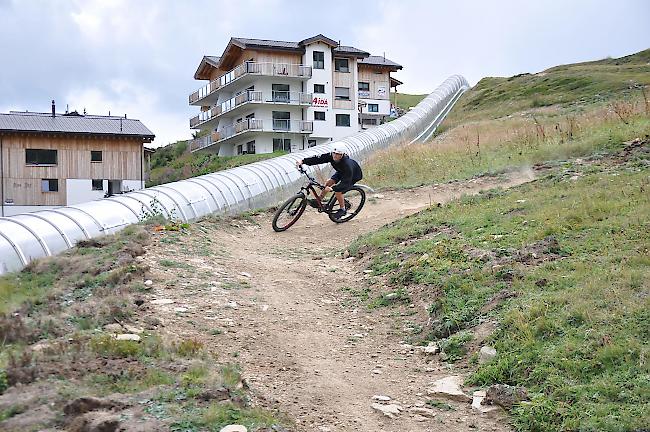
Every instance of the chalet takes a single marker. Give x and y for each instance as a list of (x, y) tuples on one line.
[(266, 95), (49, 160)]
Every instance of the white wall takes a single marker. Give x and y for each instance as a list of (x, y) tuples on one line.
[(322, 129), (384, 106), (80, 190)]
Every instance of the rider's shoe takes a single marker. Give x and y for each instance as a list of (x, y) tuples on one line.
[(340, 214), (313, 202)]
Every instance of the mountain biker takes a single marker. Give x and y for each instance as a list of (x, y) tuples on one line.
[(348, 172)]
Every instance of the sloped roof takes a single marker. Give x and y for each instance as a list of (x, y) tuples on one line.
[(350, 50), (264, 43), (380, 61), (73, 124), (248, 43)]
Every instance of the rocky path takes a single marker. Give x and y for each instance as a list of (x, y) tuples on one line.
[(276, 303)]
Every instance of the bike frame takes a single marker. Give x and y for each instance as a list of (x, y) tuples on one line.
[(311, 188)]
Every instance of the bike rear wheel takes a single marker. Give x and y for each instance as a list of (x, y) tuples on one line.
[(354, 200), (289, 212)]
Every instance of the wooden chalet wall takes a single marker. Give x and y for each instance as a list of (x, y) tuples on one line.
[(376, 76), (121, 160)]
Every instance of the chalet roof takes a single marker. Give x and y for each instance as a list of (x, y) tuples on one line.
[(380, 61), (73, 124), (350, 50), (268, 44)]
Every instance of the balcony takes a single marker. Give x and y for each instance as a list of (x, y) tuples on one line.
[(207, 95), (243, 127), (251, 97)]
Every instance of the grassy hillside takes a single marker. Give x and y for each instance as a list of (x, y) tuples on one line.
[(560, 264), (498, 124), (406, 101), (574, 85), (174, 162)]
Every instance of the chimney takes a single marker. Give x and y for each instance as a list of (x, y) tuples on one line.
[(53, 108)]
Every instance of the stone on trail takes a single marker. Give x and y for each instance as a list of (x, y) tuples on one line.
[(162, 301), (148, 282), (390, 411), (245, 274), (449, 387), (477, 403), (486, 354), (180, 309), (381, 398), (426, 412)]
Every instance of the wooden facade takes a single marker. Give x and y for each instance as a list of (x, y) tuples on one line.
[(259, 56), (376, 77), (122, 158)]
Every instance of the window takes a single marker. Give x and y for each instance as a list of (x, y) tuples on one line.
[(98, 184), (319, 60), (280, 92), (364, 86), (95, 156), (50, 185), (341, 65), (311, 143), (319, 115), (250, 147), (319, 88), (342, 93), (40, 157), (373, 107), (280, 144), (343, 119), (281, 120)]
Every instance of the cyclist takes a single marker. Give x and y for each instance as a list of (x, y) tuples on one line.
[(348, 172)]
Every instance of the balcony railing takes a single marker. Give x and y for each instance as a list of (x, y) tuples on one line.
[(284, 97), (275, 125), (254, 68), (204, 141)]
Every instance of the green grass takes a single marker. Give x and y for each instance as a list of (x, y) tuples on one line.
[(26, 287), (406, 101), (174, 162), (567, 85), (418, 165), (576, 336)]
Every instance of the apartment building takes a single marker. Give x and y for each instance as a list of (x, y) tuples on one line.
[(265, 95), (52, 160)]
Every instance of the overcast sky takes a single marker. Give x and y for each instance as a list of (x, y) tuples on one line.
[(139, 56)]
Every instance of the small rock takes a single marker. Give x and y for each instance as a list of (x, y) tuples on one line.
[(379, 196), (180, 309), (162, 301), (231, 305), (426, 412), (42, 346), (430, 349), (148, 282), (113, 328), (219, 394), (449, 387), (486, 354), (477, 403), (128, 337), (234, 428), (391, 296), (96, 421), (376, 371), (381, 398), (505, 395), (390, 411), (245, 274), (346, 254)]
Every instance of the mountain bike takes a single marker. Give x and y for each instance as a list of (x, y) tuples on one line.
[(291, 210)]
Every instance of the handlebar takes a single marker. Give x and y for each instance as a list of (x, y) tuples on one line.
[(312, 180)]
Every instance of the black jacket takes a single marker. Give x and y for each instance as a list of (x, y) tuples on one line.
[(348, 171)]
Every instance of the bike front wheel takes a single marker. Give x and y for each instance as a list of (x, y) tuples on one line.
[(289, 212), (354, 200)]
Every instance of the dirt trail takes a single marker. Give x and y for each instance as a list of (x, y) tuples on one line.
[(274, 303)]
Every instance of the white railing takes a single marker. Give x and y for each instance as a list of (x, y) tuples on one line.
[(283, 97), (266, 125), (254, 68)]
